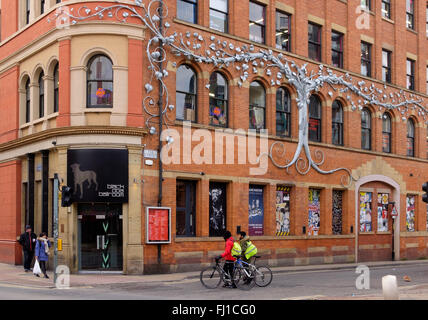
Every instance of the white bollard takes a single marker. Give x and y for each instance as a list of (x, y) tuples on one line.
[(390, 288)]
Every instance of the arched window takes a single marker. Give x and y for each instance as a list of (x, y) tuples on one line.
[(337, 123), (186, 89), (386, 133), (218, 100), (283, 113), (100, 82), (315, 119), (41, 95), (56, 89), (257, 106), (366, 129), (27, 101), (410, 138)]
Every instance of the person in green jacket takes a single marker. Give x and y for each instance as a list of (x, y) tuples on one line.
[(246, 247)]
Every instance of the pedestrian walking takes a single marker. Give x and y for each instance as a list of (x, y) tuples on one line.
[(42, 252), (28, 242)]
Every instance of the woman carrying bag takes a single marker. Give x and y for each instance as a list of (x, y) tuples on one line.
[(42, 253)]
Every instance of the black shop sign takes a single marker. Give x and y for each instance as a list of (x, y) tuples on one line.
[(98, 175)]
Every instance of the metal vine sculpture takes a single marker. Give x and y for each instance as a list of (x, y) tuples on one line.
[(245, 60)]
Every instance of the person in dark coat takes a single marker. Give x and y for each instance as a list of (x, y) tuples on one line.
[(28, 242), (42, 252)]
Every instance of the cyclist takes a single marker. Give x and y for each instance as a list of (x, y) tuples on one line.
[(249, 250), (227, 255)]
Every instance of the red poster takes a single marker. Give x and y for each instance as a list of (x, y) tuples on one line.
[(158, 225)]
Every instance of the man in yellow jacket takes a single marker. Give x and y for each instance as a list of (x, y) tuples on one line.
[(249, 250)]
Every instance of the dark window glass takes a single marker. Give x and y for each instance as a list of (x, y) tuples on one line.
[(315, 119), (56, 88), (218, 100), (41, 95), (314, 41), (217, 223), (27, 101), (186, 89), (410, 138), (386, 133), (337, 123), (219, 15), (186, 208), (410, 14), (366, 129), (283, 31), (337, 212), (410, 67), (283, 113), (257, 106), (366, 59), (27, 11), (386, 9), (257, 22), (42, 6), (337, 49), (187, 10), (386, 66), (100, 82)]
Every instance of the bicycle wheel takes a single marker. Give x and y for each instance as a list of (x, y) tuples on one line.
[(210, 278), (263, 276), (246, 279)]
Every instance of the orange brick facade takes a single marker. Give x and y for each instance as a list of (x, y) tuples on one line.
[(394, 173)]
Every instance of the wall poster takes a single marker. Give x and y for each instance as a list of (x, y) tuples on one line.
[(283, 211), (337, 211), (158, 227), (410, 213), (382, 212), (314, 212), (255, 211), (217, 209), (365, 212)]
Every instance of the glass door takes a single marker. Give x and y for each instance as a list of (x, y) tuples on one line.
[(100, 237)]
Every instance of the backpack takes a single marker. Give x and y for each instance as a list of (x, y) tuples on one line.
[(236, 250)]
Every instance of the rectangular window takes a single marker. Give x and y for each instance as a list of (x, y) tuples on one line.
[(219, 15), (337, 49), (27, 11), (337, 211), (217, 223), (382, 212), (386, 9), (255, 211), (314, 212), (283, 211), (185, 208), (365, 211), (314, 41), (410, 213), (42, 6), (410, 67), (366, 59), (386, 66), (283, 31), (187, 10), (410, 14), (366, 4), (257, 22)]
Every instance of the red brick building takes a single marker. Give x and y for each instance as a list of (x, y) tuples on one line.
[(83, 84)]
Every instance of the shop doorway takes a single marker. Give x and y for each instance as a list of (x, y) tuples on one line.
[(100, 237)]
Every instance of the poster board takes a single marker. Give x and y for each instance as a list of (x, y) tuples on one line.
[(255, 211), (158, 225)]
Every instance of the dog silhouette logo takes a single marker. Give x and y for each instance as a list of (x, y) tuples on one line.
[(81, 176)]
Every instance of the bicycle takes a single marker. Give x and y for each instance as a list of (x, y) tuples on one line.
[(243, 278), (262, 274)]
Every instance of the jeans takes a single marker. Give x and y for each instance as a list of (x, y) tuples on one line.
[(43, 266), (28, 258), (228, 268)]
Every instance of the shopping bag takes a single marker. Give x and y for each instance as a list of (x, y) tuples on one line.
[(36, 268)]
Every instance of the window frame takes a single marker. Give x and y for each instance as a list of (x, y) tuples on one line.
[(262, 26), (194, 95), (42, 6), (41, 83), (56, 88), (411, 138), (287, 113), (27, 11), (386, 9), (410, 15), (27, 101), (387, 70), (279, 33), (339, 125), (319, 119), (317, 45), (365, 60), (367, 5), (219, 11), (194, 3), (90, 61), (411, 84), (189, 209), (367, 129), (339, 52), (387, 116), (251, 107), (215, 98)]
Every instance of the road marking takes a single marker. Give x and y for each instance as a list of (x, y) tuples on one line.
[(305, 298), (11, 285)]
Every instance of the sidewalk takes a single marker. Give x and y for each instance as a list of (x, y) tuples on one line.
[(15, 275)]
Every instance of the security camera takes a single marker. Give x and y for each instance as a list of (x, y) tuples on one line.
[(54, 143)]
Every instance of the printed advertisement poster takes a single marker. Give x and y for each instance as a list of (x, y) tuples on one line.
[(337, 212), (410, 213), (283, 211), (255, 211), (314, 212), (217, 209), (158, 220), (382, 212), (365, 211)]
